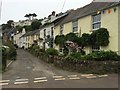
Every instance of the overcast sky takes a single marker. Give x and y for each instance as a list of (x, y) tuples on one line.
[(16, 9)]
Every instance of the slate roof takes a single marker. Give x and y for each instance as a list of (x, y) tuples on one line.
[(9, 31), (30, 33), (89, 9), (57, 19)]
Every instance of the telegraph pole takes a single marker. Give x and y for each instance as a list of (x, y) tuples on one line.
[(0, 9)]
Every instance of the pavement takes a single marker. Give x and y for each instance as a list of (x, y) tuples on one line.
[(30, 72)]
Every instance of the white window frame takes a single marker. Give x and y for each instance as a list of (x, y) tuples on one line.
[(98, 21), (61, 29), (74, 26), (95, 48)]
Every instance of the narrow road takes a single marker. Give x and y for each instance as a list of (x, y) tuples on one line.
[(30, 72)]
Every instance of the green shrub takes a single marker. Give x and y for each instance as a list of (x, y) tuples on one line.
[(103, 56), (4, 59), (76, 55), (51, 51), (11, 55)]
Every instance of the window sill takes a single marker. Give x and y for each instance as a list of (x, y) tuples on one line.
[(94, 29)]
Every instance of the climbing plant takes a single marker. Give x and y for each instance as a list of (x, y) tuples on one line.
[(71, 37), (60, 40), (100, 37), (85, 39)]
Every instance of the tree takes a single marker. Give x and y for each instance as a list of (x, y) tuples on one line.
[(8, 25), (27, 28), (35, 25), (34, 15), (28, 16), (19, 28), (4, 26)]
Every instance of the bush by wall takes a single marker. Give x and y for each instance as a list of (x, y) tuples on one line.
[(100, 63), (51, 51), (4, 58), (103, 56), (11, 52)]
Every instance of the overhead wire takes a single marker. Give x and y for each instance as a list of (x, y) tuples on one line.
[(57, 7), (63, 5)]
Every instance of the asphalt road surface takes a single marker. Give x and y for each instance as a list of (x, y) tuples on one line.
[(30, 72)]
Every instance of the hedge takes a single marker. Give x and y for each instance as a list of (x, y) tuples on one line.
[(102, 62)]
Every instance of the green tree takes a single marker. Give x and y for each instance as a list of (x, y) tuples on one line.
[(10, 23), (35, 25), (34, 15), (4, 26), (28, 28), (28, 16), (19, 28)]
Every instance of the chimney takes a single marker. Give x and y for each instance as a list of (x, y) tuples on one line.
[(53, 13)]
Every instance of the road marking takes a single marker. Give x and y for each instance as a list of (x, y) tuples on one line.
[(40, 78), (17, 77), (9, 63), (4, 81), (74, 78), (72, 75), (102, 75), (59, 79), (84, 75), (91, 77), (40, 81), (21, 82), (2, 84), (57, 76)]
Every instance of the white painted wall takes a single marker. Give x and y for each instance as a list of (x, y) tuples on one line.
[(48, 32)]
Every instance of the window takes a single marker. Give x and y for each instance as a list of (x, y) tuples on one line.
[(61, 29), (52, 33), (52, 42), (48, 33), (52, 37), (44, 33), (75, 26), (95, 48), (96, 22)]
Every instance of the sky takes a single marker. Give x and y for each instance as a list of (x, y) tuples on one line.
[(16, 9)]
